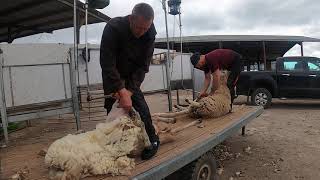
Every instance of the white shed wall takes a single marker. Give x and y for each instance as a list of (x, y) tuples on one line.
[(40, 72), (36, 73)]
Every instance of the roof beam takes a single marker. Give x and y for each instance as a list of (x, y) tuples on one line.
[(37, 27), (30, 18), (68, 3), (23, 6)]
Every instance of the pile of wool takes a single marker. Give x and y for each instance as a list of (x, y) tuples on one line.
[(109, 149)]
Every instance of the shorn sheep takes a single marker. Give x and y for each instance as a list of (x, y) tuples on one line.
[(109, 149), (215, 105)]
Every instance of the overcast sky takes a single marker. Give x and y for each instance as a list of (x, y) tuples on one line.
[(216, 17)]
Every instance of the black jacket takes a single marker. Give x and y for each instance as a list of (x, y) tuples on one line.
[(124, 59)]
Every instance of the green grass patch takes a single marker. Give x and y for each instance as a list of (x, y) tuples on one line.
[(12, 126)]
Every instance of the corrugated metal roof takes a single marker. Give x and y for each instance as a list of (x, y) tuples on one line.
[(19, 18), (249, 46), (217, 38)]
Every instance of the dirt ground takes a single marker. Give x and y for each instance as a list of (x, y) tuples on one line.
[(283, 143)]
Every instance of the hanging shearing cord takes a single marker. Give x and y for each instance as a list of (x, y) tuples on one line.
[(181, 52), (181, 63), (87, 57), (181, 49), (87, 60), (78, 78), (172, 43)]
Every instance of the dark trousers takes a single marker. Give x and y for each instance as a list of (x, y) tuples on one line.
[(141, 106), (233, 77)]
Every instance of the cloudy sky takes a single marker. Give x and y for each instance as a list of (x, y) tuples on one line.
[(216, 17)]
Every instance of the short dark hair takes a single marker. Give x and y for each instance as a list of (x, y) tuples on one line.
[(144, 10), (195, 58)]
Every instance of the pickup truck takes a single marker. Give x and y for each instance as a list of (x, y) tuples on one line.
[(294, 77)]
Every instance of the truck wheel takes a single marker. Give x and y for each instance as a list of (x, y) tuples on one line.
[(203, 168), (261, 97)]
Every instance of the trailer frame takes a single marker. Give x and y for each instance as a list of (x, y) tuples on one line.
[(168, 167)]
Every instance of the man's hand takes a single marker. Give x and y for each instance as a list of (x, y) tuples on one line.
[(203, 94), (211, 94), (125, 99), (117, 96)]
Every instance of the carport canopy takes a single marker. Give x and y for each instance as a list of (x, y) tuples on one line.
[(253, 48), (28, 17)]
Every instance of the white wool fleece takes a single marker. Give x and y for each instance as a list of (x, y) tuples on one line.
[(101, 151)]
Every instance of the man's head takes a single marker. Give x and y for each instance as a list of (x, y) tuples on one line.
[(141, 19), (198, 60)]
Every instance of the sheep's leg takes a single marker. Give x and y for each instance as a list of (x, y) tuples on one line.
[(180, 108), (169, 135), (193, 103), (163, 119), (74, 173), (176, 130), (166, 138), (165, 130), (171, 114), (156, 128)]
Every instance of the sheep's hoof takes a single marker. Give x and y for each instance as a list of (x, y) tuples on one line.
[(55, 174)]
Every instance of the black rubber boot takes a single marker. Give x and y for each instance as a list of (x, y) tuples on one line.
[(149, 152)]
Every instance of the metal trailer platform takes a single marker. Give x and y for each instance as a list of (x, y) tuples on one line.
[(191, 143), (187, 146)]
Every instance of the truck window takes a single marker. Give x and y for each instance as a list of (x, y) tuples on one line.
[(314, 65), (293, 65)]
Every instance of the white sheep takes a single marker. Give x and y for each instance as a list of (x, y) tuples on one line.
[(109, 149), (215, 105)]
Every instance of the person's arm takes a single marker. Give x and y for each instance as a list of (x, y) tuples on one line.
[(215, 81), (110, 75), (112, 81), (207, 80)]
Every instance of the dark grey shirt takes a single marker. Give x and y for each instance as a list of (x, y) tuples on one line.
[(124, 59)]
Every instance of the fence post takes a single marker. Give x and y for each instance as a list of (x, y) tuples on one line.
[(3, 106)]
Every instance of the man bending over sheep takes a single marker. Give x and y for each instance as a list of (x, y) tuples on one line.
[(126, 50), (212, 63)]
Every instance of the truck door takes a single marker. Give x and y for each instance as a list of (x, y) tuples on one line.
[(292, 77), (313, 67)]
